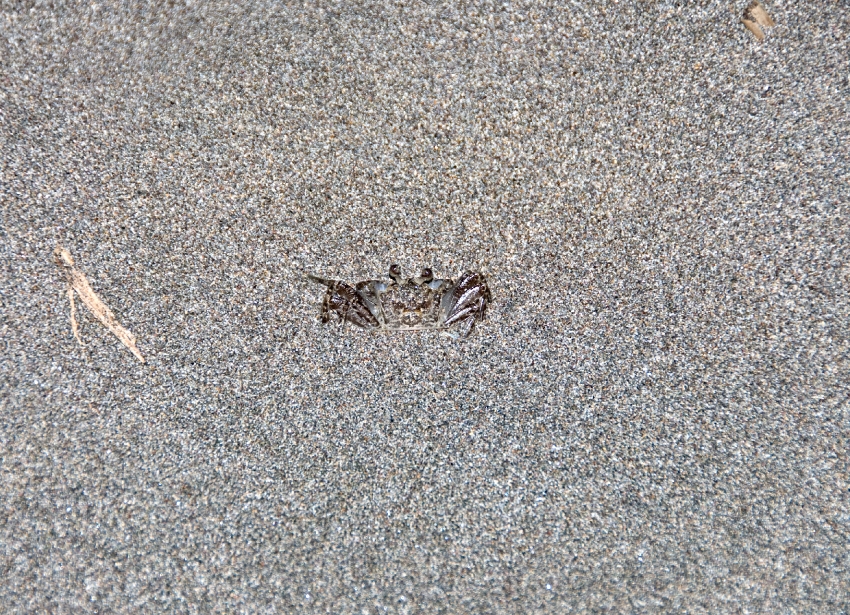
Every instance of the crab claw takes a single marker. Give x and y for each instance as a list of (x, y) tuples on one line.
[(466, 302)]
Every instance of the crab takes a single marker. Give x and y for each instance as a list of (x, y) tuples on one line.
[(423, 303)]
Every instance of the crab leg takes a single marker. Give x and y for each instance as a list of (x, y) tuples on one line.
[(346, 302), (473, 311), (466, 299), (315, 278), (464, 308), (469, 324)]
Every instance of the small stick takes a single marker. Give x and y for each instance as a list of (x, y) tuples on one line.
[(755, 16), (759, 14), (754, 28), (77, 281), (74, 327)]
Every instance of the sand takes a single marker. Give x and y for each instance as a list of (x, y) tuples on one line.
[(653, 417)]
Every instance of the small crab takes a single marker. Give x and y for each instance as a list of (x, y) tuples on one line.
[(414, 304)]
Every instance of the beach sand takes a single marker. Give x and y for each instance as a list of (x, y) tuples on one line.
[(653, 417)]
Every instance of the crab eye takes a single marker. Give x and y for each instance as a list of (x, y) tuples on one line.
[(395, 270), (427, 273)]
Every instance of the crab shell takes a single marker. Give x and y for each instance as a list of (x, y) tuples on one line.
[(416, 304)]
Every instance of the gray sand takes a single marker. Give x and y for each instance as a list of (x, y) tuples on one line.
[(653, 417)]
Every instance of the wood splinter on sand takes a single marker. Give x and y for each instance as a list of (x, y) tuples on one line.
[(755, 16), (77, 282)]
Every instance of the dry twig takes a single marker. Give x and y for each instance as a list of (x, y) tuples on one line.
[(77, 282), (755, 18)]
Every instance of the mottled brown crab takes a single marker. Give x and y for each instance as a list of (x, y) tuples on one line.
[(413, 304)]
